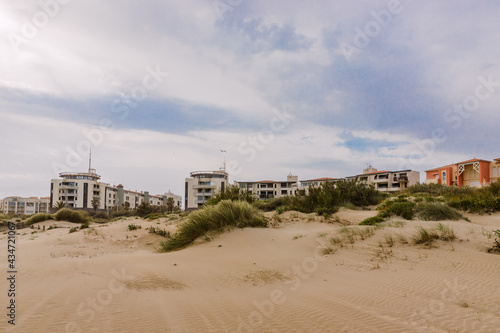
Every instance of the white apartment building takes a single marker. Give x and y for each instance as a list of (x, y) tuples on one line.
[(388, 181), (202, 185), (26, 206), (83, 190), (267, 189)]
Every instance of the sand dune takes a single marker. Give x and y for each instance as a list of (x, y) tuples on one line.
[(290, 278)]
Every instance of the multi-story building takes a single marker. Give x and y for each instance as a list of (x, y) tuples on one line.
[(26, 206), (474, 173), (267, 189), (84, 190), (305, 184), (202, 185), (388, 181)]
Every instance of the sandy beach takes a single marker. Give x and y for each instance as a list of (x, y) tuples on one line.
[(288, 278)]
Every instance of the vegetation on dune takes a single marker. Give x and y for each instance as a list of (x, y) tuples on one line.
[(407, 209), (428, 236), (496, 246), (233, 193), (326, 199), (159, 232), (225, 215), (40, 217), (66, 214), (474, 200)]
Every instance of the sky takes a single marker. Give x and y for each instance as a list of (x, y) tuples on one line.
[(315, 88)]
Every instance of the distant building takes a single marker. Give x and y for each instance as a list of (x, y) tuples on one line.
[(474, 173), (267, 189), (202, 185), (84, 190), (26, 206), (387, 181), (305, 184)]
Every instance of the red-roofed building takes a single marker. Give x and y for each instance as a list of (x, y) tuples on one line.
[(474, 173)]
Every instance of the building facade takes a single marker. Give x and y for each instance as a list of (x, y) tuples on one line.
[(202, 185), (25, 206), (388, 181), (306, 184), (474, 173), (267, 189), (85, 190)]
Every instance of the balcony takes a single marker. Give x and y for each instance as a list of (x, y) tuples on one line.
[(73, 187), (401, 179), (381, 180), (197, 187), (431, 181), (200, 201)]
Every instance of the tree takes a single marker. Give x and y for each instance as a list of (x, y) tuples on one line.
[(95, 203), (59, 205), (170, 205)]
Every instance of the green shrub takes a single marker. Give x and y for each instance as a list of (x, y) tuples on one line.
[(101, 215), (66, 214), (120, 213), (72, 230), (437, 212), (372, 220), (84, 225), (40, 217), (225, 215), (133, 227), (233, 193), (159, 232), (405, 209), (496, 246)]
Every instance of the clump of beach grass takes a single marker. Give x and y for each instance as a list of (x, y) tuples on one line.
[(40, 217), (428, 236), (217, 218), (70, 215)]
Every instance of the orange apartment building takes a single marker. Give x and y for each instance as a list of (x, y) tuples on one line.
[(474, 173)]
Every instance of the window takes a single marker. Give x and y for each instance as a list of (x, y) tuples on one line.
[(494, 173), (444, 176)]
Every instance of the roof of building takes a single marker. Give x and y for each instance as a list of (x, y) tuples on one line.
[(319, 179), (439, 168), (473, 160)]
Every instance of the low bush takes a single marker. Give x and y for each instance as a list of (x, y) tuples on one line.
[(159, 232), (66, 214), (225, 215), (372, 220), (133, 227), (72, 230), (100, 215), (405, 209), (40, 217), (496, 246), (437, 212), (84, 225)]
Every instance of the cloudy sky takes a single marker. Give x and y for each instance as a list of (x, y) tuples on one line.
[(317, 88)]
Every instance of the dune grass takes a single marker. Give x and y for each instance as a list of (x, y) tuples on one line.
[(69, 215), (225, 215), (40, 217), (428, 236)]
